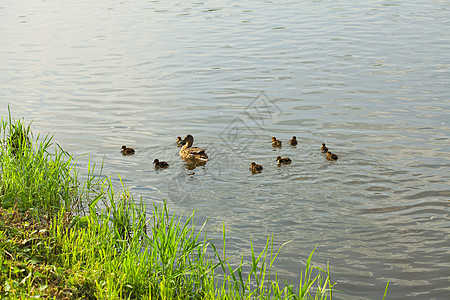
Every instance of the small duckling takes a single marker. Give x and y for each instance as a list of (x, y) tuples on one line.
[(160, 164), (283, 160), (255, 168), (179, 139), (127, 151), (324, 148), (275, 142), (293, 142), (331, 156)]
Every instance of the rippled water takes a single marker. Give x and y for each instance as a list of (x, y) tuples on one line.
[(369, 78)]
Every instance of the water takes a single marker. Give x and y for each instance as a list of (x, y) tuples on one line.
[(369, 78)]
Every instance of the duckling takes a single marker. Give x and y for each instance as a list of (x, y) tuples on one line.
[(255, 168), (331, 156), (324, 148), (127, 151), (160, 164), (283, 160), (293, 142), (179, 141), (187, 152), (275, 142)]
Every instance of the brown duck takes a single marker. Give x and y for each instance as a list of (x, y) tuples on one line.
[(127, 151), (293, 141), (187, 152), (179, 141), (255, 168), (283, 160), (160, 164), (275, 142), (324, 148), (331, 156)]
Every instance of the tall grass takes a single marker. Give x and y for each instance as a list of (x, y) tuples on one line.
[(31, 177), (99, 244)]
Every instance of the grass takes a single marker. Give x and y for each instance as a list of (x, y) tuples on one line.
[(63, 239), (31, 177)]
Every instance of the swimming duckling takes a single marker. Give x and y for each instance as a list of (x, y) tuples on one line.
[(324, 148), (127, 151), (255, 168), (283, 160), (275, 142), (293, 142), (179, 141), (331, 156), (187, 152), (160, 164)]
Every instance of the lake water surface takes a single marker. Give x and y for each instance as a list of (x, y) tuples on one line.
[(368, 78)]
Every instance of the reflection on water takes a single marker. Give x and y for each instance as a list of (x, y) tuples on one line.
[(191, 165), (368, 79)]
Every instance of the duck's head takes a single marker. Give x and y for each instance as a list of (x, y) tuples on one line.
[(329, 153), (253, 164), (294, 137), (323, 144), (124, 147), (274, 139), (178, 139), (156, 161), (278, 158), (189, 139)]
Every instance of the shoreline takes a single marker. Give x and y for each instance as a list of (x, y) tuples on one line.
[(57, 242)]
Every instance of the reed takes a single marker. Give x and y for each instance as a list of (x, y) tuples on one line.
[(64, 239)]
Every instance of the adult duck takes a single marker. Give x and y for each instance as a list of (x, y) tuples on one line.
[(187, 152), (127, 151)]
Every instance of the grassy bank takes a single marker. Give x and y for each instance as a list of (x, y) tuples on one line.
[(65, 239)]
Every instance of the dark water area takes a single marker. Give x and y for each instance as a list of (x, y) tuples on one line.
[(370, 79)]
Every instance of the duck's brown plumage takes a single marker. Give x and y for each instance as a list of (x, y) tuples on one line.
[(324, 148), (187, 152), (127, 151), (179, 141), (255, 168), (283, 160), (275, 142), (160, 164), (331, 156), (293, 141)]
